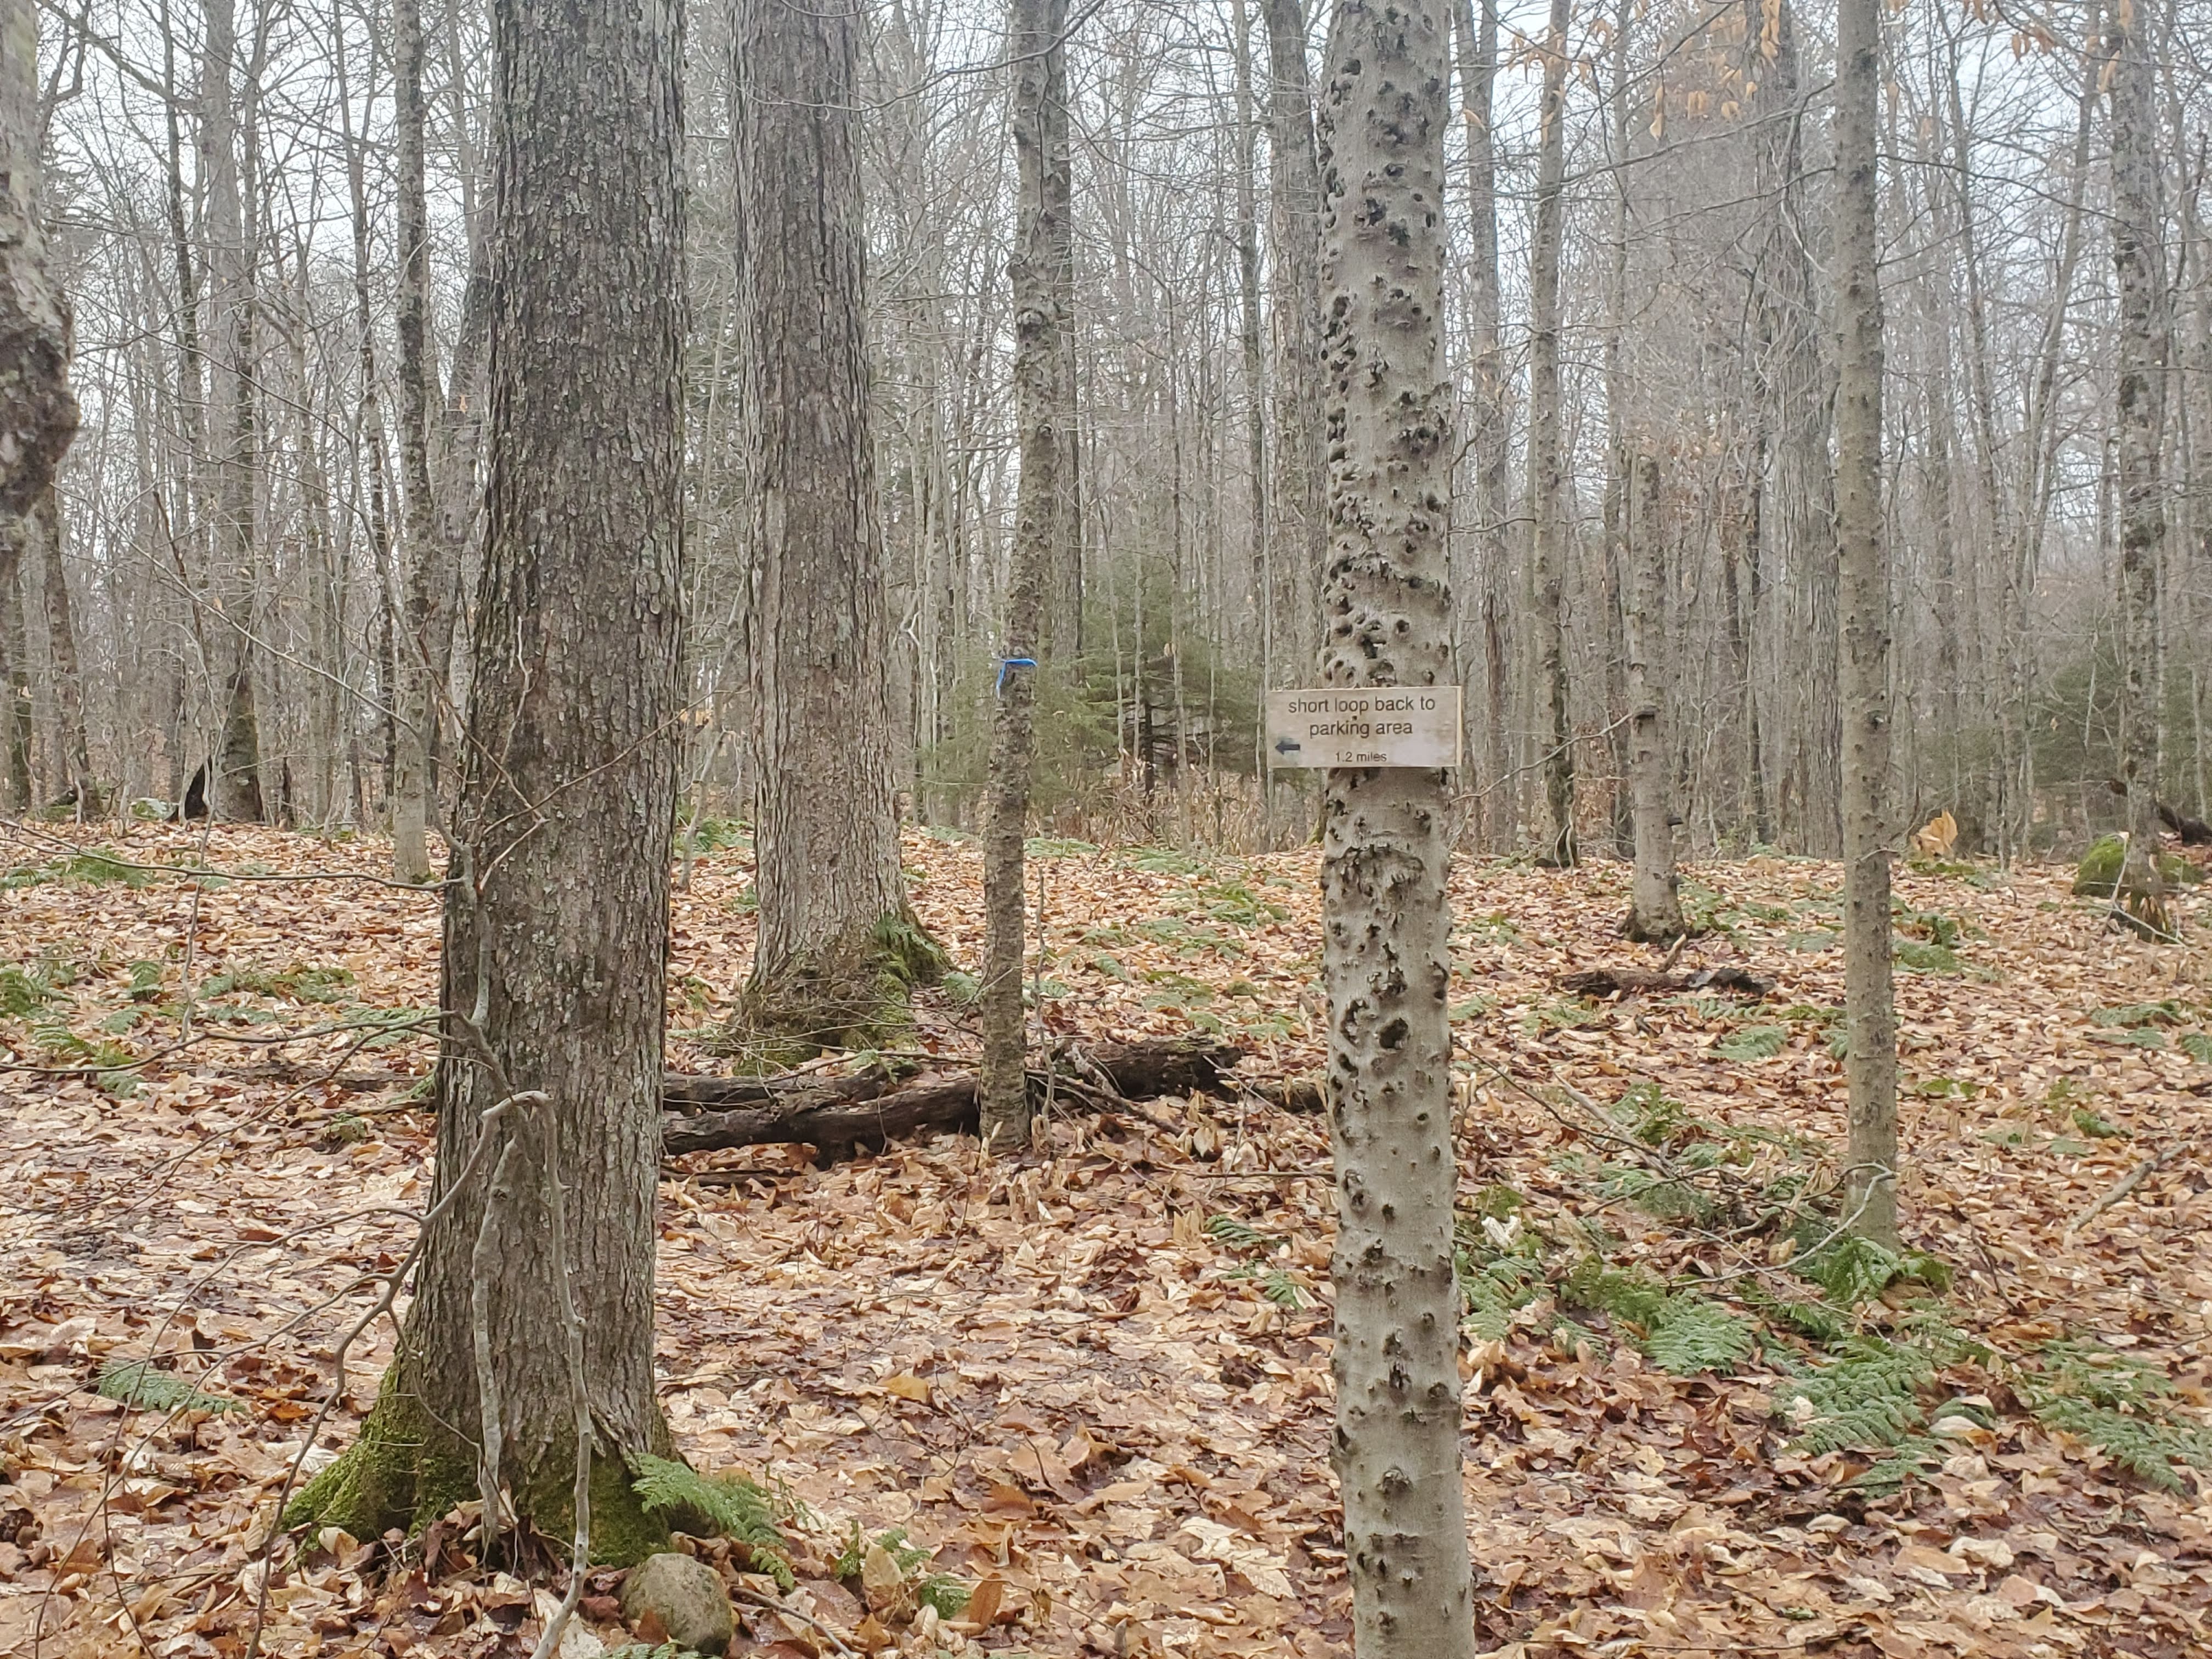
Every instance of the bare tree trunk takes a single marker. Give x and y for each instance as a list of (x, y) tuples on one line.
[(420, 550), (1870, 1009), (38, 411), (1546, 479), (1479, 584), (1300, 509), (838, 946), (15, 672), (78, 785), (1656, 904), (1386, 921), (2145, 337), (1037, 49), (236, 775), (556, 924), (1262, 578)]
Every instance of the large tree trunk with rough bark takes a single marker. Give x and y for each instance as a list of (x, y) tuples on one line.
[(2145, 339), (420, 551), (1037, 51), (1386, 923), (236, 775), (1862, 564), (1656, 902), (1299, 505), (38, 411), (838, 948), (557, 921), (1546, 465)]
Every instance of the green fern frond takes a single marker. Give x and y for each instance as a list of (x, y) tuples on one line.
[(136, 1382), (1821, 1321), (1236, 1231), (1660, 1196), (1692, 1335), (1914, 1456), (730, 1506), (947, 1594), (2147, 1448), (1754, 1043)]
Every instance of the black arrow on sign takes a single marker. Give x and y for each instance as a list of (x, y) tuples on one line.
[(1284, 746)]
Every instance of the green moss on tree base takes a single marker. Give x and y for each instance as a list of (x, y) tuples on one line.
[(396, 1475), (855, 992)]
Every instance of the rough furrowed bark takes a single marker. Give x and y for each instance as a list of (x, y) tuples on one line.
[(1656, 905), (2145, 342), (1037, 50), (557, 920), (839, 949), (1385, 918), (1869, 1005), (1546, 465)]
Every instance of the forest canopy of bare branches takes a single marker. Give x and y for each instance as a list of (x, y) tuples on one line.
[(239, 565)]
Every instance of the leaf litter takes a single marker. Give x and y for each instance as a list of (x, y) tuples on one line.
[(1080, 1402)]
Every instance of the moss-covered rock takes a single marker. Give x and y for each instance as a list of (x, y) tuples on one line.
[(2098, 875)]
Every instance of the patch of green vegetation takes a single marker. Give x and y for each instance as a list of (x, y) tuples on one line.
[(136, 1383), (1562, 1014), (2197, 1045), (1234, 902), (712, 835), (2097, 1127), (2098, 875), (943, 1591), (298, 983), (1496, 928), (1923, 958), (22, 991), (1754, 1043), (1679, 1332), (1851, 1270), (2170, 1011), (730, 1506), (1057, 846), (1166, 861), (79, 869)]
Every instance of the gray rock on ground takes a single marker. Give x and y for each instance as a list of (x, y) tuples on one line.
[(688, 1598)]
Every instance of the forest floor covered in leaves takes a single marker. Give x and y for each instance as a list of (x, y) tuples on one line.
[(1091, 1385)]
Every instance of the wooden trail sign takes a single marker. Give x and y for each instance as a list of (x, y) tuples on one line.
[(1404, 725)]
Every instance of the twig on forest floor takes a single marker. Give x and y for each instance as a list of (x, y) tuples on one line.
[(746, 1593), (2119, 1189)]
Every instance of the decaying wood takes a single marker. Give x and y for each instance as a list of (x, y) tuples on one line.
[(1633, 981), (710, 1113)]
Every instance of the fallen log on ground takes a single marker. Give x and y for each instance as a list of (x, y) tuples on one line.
[(869, 1109), (1628, 981)]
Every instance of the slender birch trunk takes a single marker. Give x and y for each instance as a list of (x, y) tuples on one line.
[(1656, 903)]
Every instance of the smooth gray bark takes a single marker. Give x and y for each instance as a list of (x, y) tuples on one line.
[(1386, 921)]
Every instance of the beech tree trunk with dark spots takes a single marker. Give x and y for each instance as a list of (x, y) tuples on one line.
[(1386, 923)]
